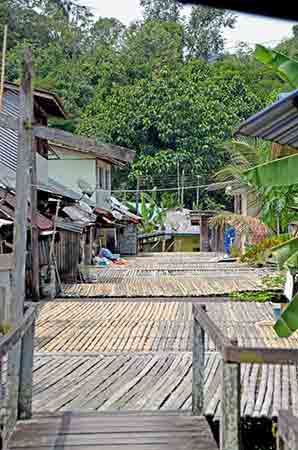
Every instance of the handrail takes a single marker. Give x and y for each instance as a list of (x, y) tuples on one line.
[(219, 339), (8, 341), (232, 355), (18, 345)]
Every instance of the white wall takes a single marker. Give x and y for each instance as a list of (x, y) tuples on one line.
[(41, 168), (69, 172)]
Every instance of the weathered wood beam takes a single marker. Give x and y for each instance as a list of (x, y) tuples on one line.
[(198, 365), (20, 234), (230, 433), (84, 144), (259, 355), (26, 373), (8, 341), (212, 330), (9, 122)]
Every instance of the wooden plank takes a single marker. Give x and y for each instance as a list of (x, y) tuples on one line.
[(149, 432), (84, 144)]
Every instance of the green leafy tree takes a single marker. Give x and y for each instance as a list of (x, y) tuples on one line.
[(204, 31), (165, 10)]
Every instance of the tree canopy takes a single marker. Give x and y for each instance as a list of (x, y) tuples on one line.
[(150, 85)]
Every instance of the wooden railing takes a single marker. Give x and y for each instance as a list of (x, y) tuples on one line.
[(16, 359), (232, 355)]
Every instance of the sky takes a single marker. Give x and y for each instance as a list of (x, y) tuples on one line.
[(251, 29)]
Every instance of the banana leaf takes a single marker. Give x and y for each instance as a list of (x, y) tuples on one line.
[(284, 253), (288, 322), (280, 172), (292, 263), (284, 66)]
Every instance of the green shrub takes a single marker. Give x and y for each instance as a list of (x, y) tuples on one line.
[(256, 254)]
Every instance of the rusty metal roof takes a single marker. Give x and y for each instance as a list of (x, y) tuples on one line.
[(7, 208)]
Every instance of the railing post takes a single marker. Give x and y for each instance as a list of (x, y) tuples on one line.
[(198, 364), (26, 374), (230, 434)]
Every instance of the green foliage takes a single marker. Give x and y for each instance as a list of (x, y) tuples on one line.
[(182, 114), (5, 328), (274, 281), (167, 10), (258, 296), (204, 31), (276, 203), (257, 254), (153, 216), (235, 252), (286, 68), (240, 156)]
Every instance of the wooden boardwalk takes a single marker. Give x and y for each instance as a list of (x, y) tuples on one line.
[(137, 356), (114, 432), (154, 382), (167, 275), (95, 326), (165, 286)]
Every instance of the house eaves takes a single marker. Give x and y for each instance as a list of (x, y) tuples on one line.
[(48, 101), (276, 123)]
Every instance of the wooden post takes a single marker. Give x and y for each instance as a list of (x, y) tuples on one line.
[(198, 366), (34, 227), (230, 406), (26, 374), (22, 186), (20, 233)]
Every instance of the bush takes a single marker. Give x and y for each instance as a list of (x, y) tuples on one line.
[(256, 254)]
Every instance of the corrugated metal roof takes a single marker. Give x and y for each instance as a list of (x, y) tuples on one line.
[(77, 214), (9, 138), (276, 123), (7, 209), (69, 226)]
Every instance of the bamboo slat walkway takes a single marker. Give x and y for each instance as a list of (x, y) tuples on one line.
[(164, 286), (167, 275), (114, 432), (93, 326)]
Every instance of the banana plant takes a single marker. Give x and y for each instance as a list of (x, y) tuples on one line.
[(153, 216), (285, 67), (281, 172)]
